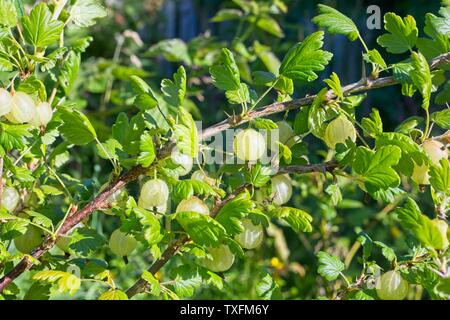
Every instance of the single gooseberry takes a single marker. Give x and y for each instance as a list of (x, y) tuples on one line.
[(221, 259), (391, 286), (193, 204), (338, 131), (249, 145), (281, 189), (43, 113), (26, 242), (10, 198), (252, 235), (122, 244), (154, 193), (286, 136), (23, 108)]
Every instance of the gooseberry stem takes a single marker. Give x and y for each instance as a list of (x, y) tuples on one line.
[(263, 95), (345, 279), (67, 192), (113, 162), (363, 43), (63, 220), (427, 125)]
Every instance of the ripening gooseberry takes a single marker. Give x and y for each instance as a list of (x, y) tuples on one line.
[(43, 113), (281, 189), (154, 193), (122, 244), (442, 226), (10, 198), (249, 145), (339, 130), (252, 235), (193, 204), (5, 102), (391, 286), (22, 108), (184, 162), (160, 209), (435, 150), (286, 136), (420, 174), (221, 259), (26, 242)]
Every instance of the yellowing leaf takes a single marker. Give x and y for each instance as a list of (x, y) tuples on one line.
[(67, 282)]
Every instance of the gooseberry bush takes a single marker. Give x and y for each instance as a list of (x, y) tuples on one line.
[(178, 224)]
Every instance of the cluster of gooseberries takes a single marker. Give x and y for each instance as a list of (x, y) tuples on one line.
[(338, 131), (29, 240), (250, 145), (122, 244), (221, 258), (19, 107)]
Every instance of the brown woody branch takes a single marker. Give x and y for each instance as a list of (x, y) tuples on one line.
[(100, 201), (360, 86)]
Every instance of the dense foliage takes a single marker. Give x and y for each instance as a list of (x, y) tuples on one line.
[(110, 189)]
